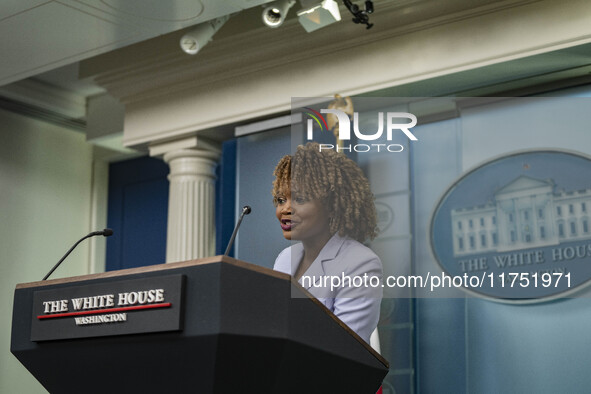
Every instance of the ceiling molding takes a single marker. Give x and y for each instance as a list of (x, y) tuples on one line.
[(243, 77), (159, 66), (52, 98), (43, 114)]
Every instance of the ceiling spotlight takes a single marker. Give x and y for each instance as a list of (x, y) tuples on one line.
[(320, 15), (200, 35), (275, 13)]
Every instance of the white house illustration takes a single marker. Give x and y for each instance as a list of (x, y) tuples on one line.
[(525, 213)]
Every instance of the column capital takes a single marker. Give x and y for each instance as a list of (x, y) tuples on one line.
[(193, 146), (190, 154), (191, 164)]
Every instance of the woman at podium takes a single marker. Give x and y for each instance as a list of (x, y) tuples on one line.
[(323, 200)]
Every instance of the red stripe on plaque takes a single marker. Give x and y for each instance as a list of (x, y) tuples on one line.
[(101, 311)]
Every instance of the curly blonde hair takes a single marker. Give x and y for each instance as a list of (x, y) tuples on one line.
[(337, 182)]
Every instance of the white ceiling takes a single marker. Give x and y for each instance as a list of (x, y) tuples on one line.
[(40, 35)]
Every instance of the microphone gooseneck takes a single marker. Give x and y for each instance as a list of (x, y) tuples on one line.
[(245, 211), (106, 232)]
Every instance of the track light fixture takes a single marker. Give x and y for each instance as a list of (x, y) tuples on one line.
[(360, 16), (200, 35), (274, 14), (320, 15)]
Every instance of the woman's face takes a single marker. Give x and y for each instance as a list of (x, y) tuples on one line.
[(300, 218)]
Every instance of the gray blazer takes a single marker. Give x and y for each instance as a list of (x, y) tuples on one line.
[(346, 277)]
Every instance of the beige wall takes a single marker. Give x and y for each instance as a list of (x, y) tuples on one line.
[(48, 200)]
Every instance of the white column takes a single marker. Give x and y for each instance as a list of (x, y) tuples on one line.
[(191, 204)]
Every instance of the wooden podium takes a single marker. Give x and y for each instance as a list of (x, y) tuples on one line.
[(215, 325)]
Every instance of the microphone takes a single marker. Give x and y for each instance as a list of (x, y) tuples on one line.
[(245, 211), (106, 232)]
